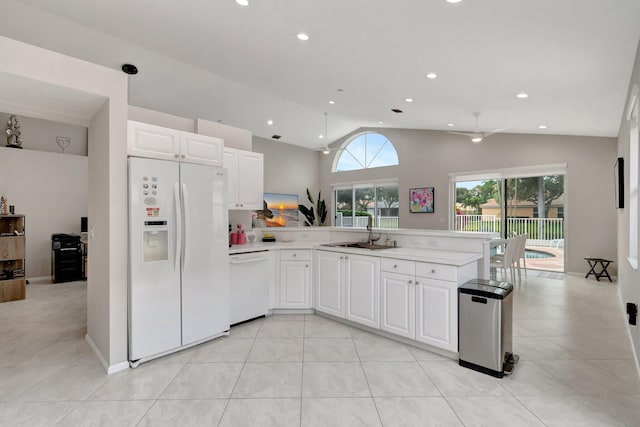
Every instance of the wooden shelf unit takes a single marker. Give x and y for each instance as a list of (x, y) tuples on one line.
[(12, 258)]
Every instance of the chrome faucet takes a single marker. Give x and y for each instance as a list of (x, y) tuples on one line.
[(371, 238)]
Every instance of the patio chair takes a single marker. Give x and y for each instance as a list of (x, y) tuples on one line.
[(507, 259), (521, 256)]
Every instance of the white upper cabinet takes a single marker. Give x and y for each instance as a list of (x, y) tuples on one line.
[(204, 150), (156, 142), (245, 170)]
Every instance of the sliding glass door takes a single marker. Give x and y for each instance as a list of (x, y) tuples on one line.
[(512, 203), (535, 206)]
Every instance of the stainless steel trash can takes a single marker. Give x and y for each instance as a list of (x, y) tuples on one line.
[(485, 320)]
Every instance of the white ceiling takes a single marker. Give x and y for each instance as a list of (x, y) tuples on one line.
[(216, 60)]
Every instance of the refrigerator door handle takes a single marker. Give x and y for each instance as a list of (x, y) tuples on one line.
[(176, 199), (185, 202)]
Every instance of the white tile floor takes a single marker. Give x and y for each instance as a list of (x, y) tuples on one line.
[(576, 369)]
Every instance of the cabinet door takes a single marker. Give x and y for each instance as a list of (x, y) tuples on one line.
[(230, 163), (155, 142), (295, 284), (437, 313), (250, 180), (398, 301), (201, 149), (329, 296), (362, 284)]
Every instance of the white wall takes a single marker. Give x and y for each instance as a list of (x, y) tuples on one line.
[(51, 190), (233, 137), (107, 190), (428, 157), (38, 134), (158, 118), (628, 277)]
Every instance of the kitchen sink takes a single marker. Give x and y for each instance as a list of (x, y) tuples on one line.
[(361, 245)]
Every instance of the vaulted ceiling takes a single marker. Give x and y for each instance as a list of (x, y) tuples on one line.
[(244, 66)]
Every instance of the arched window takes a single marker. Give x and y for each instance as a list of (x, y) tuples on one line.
[(367, 150)]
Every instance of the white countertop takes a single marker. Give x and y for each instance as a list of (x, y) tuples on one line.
[(456, 258)]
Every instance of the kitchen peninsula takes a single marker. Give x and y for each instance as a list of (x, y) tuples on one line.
[(407, 292)]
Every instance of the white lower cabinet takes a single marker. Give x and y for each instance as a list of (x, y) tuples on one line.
[(362, 285), (412, 299), (437, 313), (398, 298), (295, 279), (328, 283), (348, 286)]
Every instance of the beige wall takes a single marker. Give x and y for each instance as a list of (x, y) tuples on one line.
[(628, 277), (53, 197), (289, 169), (428, 157)]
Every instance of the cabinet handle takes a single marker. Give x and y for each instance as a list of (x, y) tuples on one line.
[(341, 257), (183, 156), (241, 205), (395, 265), (410, 281), (294, 255), (176, 156), (433, 271), (306, 266), (417, 283)]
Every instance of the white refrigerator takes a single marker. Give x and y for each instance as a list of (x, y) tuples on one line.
[(178, 256)]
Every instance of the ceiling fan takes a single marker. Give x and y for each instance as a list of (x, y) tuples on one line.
[(326, 149), (477, 136)]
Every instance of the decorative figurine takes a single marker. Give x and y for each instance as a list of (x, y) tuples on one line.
[(13, 132)]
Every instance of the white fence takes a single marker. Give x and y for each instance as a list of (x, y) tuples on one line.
[(541, 231), (361, 221)]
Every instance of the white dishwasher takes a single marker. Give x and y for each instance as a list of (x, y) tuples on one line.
[(249, 285)]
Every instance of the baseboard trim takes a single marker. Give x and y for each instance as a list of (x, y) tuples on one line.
[(110, 369), (48, 280)]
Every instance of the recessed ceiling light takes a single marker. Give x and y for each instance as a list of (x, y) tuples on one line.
[(476, 140), (432, 76), (450, 124), (302, 36), (454, 1), (408, 99), (542, 127), (522, 95), (332, 102), (321, 136), (269, 122), (243, 2), (326, 150), (380, 123)]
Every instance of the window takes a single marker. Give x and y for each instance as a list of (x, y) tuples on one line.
[(365, 151), (560, 212), (355, 204)]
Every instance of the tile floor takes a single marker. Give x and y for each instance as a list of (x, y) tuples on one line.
[(576, 369)]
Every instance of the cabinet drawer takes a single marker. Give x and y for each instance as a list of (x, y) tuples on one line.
[(11, 248), (295, 255), (399, 266), (436, 271)]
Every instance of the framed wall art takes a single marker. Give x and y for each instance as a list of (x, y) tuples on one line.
[(421, 200)]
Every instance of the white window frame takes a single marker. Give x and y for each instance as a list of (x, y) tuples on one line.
[(354, 186), (344, 146)]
